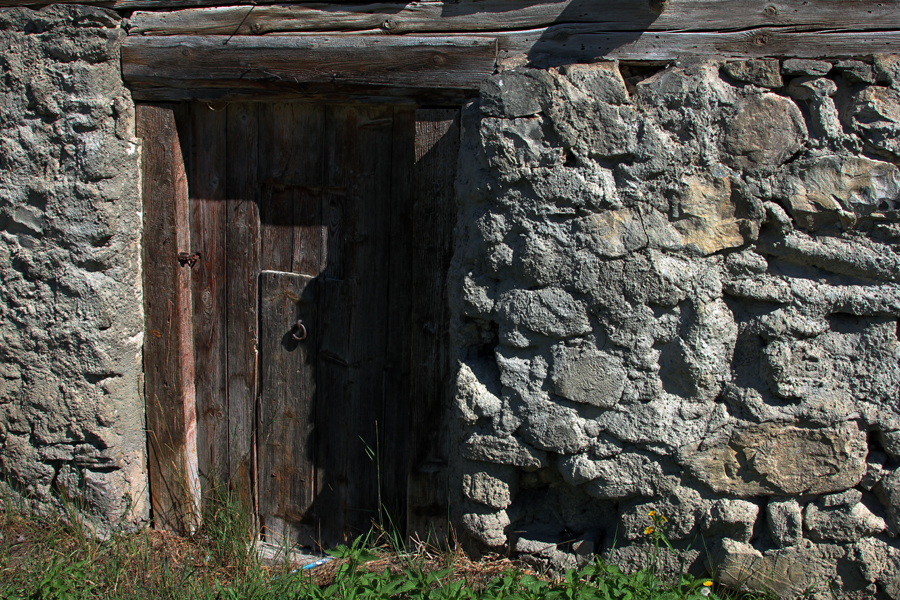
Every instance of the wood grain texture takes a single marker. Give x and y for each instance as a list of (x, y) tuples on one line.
[(242, 260), (287, 406), (565, 44), (434, 216), (500, 15), (168, 343), (207, 177), (309, 93), (276, 210), (306, 179), (337, 364), (369, 249), (456, 62), (395, 422)]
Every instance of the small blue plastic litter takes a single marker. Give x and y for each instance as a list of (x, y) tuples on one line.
[(318, 563)]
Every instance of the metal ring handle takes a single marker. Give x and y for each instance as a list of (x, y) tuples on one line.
[(302, 328)]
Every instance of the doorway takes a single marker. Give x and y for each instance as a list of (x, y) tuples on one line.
[(297, 344)]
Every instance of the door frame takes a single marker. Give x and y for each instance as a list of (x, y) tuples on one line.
[(170, 365)]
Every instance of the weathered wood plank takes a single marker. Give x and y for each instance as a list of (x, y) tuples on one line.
[(307, 93), (309, 234), (345, 60), (368, 251), (457, 62), (565, 44), (395, 424), (434, 216), (168, 347), (242, 260), (499, 15), (345, 366), (287, 406), (307, 179), (332, 381), (335, 361), (276, 210), (207, 172)]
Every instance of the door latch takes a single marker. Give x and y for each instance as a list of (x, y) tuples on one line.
[(298, 331)]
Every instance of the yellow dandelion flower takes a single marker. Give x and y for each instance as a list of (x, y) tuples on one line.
[(652, 513), (648, 531), (707, 583), (664, 520)]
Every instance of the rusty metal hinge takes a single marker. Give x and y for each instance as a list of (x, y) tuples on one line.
[(188, 259)]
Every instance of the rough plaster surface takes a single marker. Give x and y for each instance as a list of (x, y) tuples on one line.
[(71, 414), (681, 293)]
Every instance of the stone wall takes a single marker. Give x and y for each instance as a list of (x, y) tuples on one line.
[(71, 413), (678, 290), (675, 289)]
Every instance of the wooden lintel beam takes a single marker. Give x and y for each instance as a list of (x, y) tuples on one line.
[(314, 93), (458, 62), (467, 16)]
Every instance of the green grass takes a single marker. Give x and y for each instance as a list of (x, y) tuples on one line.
[(46, 559)]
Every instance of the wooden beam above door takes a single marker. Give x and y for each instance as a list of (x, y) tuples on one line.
[(431, 16), (461, 16), (459, 62)]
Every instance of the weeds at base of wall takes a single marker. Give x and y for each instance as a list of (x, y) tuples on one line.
[(45, 558)]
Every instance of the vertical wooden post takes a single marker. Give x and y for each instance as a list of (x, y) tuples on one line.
[(168, 343)]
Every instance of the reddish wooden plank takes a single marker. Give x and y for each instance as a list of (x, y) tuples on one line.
[(208, 217), (287, 406), (242, 261), (168, 351), (434, 216)]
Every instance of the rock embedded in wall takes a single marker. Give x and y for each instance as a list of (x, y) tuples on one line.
[(692, 284), (784, 519), (773, 459), (840, 190), (767, 130), (71, 413), (841, 518), (874, 113), (765, 72), (887, 69)]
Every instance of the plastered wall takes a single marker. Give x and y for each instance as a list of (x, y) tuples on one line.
[(71, 412), (676, 289)]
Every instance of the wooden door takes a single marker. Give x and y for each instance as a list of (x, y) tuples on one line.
[(339, 217)]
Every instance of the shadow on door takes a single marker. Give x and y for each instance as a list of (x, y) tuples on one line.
[(319, 239)]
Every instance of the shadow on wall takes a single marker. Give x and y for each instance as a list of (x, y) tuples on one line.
[(572, 36)]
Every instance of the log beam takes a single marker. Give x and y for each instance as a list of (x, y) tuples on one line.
[(458, 62), (466, 16)]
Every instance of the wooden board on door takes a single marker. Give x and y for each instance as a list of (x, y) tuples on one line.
[(345, 214)]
